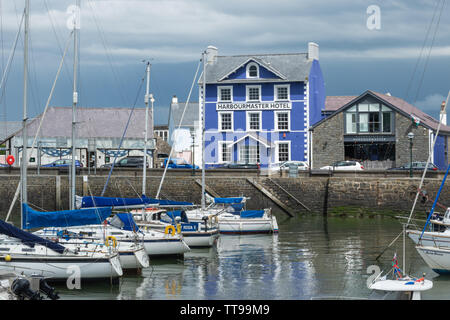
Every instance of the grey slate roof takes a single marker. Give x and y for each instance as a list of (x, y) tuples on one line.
[(7, 128), (91, 123), (190, 116), (290, 66)]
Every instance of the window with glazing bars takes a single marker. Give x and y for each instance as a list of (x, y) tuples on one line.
[(283, 152), (225, 121), (282, 121)]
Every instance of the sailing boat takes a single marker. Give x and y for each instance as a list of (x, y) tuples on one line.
[(154, 242), (26, 253), (436, 257)]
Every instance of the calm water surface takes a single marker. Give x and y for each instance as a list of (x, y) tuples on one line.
[(311, 257)]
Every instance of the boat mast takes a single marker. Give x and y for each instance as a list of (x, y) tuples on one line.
[(23, 171), (203, 130), (146, 99), (74, 103)]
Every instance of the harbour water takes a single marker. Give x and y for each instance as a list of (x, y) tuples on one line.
[(312, 257)]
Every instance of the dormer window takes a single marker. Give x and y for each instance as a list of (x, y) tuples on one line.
[(252, 70)]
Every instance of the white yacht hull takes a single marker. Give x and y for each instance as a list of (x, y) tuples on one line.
[(61, 267), (430, 239), (437, 259)]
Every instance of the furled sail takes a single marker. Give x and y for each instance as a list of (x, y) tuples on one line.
[(64, 218), (89, 202), (27, 238)]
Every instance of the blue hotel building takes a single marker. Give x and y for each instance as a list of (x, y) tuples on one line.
[(259, 107)]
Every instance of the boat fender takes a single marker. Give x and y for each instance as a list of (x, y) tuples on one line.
[(8, 258), (111, 238), (172, 228)]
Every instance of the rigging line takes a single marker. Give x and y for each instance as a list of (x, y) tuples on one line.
[(123, 136), (421, 51), (40, 123), (108, 56), (68, 78), (179, 125), (429, 51), (10, 58), (426, 166)]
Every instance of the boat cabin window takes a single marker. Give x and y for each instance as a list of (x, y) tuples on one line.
[(4, 249), (116, 233), (28, 250)]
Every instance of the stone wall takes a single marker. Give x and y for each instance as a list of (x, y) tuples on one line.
[(328, 142), (320, 194), (420, 147)]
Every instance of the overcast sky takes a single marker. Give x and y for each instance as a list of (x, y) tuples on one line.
[(356, 53)]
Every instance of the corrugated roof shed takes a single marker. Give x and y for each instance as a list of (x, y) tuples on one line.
[(91, 123)]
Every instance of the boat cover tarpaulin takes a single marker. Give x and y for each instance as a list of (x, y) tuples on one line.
[(63, 218), (27, 238), (228, 200), (89, 202), (126, 222), (252, 213)]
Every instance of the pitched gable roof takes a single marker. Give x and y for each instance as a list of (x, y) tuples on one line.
[(190, 116), (91, 122), (337, 104), (290, 67)]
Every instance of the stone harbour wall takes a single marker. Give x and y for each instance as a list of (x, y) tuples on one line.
[(319, 194)]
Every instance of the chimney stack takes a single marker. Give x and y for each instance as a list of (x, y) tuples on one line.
[(174, 99), (443, 115), (313, 51), (211, 54)]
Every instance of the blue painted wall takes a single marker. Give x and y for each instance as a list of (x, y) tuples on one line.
[(439, 153), (298, 131), (316, 93)]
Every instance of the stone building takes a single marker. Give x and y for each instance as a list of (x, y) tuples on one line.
[(373, 129)]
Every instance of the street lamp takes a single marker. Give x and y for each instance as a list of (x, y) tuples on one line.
[(410, 137)]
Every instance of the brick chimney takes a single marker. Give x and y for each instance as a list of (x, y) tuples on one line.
[(443, 114)]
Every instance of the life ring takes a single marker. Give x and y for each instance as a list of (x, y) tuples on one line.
[(179, 228), (172, 228), (10, 159), (114, 241)]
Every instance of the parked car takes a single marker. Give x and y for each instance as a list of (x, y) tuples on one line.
[(238, 165), (302, 165), (63, 163), (344, 165), (127, 162), (178, 163), (417, 165)]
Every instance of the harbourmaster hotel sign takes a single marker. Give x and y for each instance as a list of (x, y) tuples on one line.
[(253, 106)]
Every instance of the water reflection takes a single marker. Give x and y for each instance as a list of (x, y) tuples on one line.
[(312, 256)]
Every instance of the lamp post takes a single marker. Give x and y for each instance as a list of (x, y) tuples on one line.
[(410, 137)]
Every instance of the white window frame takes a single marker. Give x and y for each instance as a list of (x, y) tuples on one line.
[(276, 120), (275, 94), (247, 115), (248, 70), (277, 149), (247, 89), (220, 150), (219, 120), (219, 95), (258, 152)]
